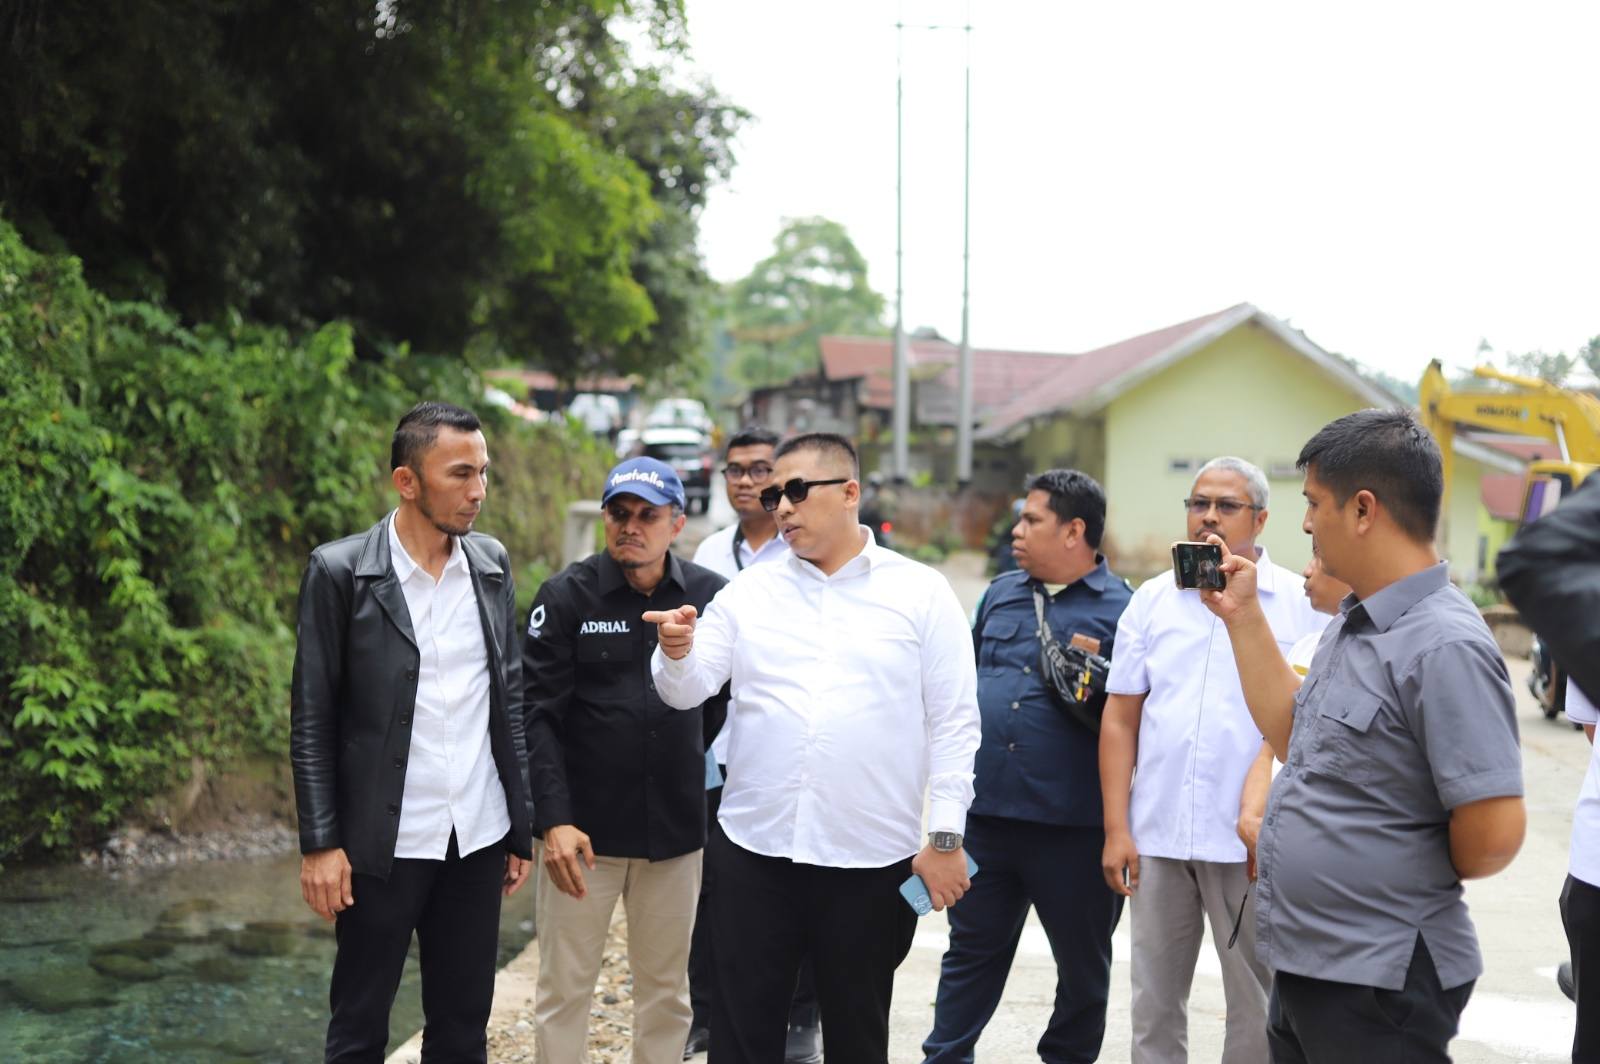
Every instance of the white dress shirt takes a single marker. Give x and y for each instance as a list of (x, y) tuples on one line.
[(451, 781), (1196, 737), (853, 695), (716, 553), (1584, 862)]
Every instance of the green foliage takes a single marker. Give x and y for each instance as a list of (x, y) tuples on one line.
[(812, 285), (161, 487), (497, 178)]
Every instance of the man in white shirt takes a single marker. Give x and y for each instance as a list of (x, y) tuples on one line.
[(855, 693), (1176, 710), (410, 768), (751, 540)]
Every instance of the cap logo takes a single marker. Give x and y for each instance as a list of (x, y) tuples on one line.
[(649, 476)]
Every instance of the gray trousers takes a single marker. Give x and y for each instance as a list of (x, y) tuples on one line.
[(1168, 915)]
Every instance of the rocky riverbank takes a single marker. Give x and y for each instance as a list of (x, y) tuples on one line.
[(244, 836)]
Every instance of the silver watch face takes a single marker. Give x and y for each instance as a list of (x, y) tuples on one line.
[(945, 841)]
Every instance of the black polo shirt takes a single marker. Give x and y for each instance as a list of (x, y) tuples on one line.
[(605, 753)]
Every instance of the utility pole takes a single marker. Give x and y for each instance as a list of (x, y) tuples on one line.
[(964, 394), (902, 371)]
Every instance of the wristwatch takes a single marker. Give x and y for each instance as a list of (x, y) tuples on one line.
[(944, 841)]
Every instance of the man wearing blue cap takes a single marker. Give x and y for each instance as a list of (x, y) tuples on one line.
[(618, 776)]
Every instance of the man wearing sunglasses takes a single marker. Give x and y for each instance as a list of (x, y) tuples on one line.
[(856, 694), (751, 540), (618, 775), (1176, 709)]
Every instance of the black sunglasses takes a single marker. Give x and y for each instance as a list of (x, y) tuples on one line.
[(795, 490)]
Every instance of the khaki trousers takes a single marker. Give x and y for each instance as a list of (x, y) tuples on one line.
[(659, 898), (1169, 913)]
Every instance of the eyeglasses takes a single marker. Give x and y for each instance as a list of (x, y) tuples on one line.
[(758, 472), (794, 490), (1199, 504)]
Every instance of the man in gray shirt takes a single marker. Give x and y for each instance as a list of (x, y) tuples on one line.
[(1402, 772)]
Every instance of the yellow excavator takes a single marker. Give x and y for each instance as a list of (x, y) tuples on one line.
[(1521, 406)]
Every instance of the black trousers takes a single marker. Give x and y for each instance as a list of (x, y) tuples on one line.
[(767, 914), (1312, 1021), (702, 951), (453, 905), (1057, 871), (1580, 915)]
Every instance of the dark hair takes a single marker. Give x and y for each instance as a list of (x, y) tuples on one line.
[(830, 445), (420, 427), (1388, 453), (752, 436), (1074, 494)]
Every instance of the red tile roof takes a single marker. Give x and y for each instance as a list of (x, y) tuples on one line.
[(1502, 495), (1094, 369), (997, 376)]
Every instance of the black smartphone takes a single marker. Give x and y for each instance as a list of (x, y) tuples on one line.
[(1198, 566)]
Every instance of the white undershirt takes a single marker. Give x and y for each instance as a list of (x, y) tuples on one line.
[(853, 695), (1584, 863), (451, 780)]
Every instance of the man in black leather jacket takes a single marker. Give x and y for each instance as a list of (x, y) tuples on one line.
[(410, 765)]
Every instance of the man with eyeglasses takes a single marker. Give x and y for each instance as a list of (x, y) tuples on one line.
[(618, 775), (751, 540), (856, 694), (1176, 712)]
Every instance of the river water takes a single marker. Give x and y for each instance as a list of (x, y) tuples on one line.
[(210, 962)]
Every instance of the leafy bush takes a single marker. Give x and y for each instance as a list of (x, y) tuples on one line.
[(161, 487)]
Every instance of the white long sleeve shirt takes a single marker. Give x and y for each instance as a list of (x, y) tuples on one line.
[(451, 779), (852, 696)]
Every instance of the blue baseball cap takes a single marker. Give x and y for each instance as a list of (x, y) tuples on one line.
[(649, 478)]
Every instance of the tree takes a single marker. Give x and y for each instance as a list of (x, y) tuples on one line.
[(460, 175), (813, 284)]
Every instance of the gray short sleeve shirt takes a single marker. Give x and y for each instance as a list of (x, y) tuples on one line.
[(1407, 712)]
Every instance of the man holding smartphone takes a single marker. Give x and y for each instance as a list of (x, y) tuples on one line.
[(1402, 773), (1176, 712)]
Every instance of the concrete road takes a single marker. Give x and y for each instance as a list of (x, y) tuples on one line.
[(1516, 1012)]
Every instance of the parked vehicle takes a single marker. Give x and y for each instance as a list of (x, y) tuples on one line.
[(688, 452), (679, 412), (601, 414)]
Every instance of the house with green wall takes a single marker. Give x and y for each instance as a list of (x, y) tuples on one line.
[(1144, 414)]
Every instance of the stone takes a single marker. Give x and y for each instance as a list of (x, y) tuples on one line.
[(128, 969), (253, 943), (219, 970), (63, 988), (144, 948), (192, 907)]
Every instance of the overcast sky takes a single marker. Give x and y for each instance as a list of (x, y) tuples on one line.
[(1399, 180)]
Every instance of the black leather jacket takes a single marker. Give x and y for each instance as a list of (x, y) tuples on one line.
[(355, 687), (1551, 573)]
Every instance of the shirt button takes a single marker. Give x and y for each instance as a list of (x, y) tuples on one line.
[(1016, 705), (1027, 668), (1011, 746), (652, 734), (411, 674), (605, 653), (405, 720), (394, 810), (399, 763)]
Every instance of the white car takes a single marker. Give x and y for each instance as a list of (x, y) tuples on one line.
[(601, 414)]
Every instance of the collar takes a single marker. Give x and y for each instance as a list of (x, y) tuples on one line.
[(870, 558), (405, 566), (1266, 572), (1096, 579), (612, 578), (1388, 605)]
